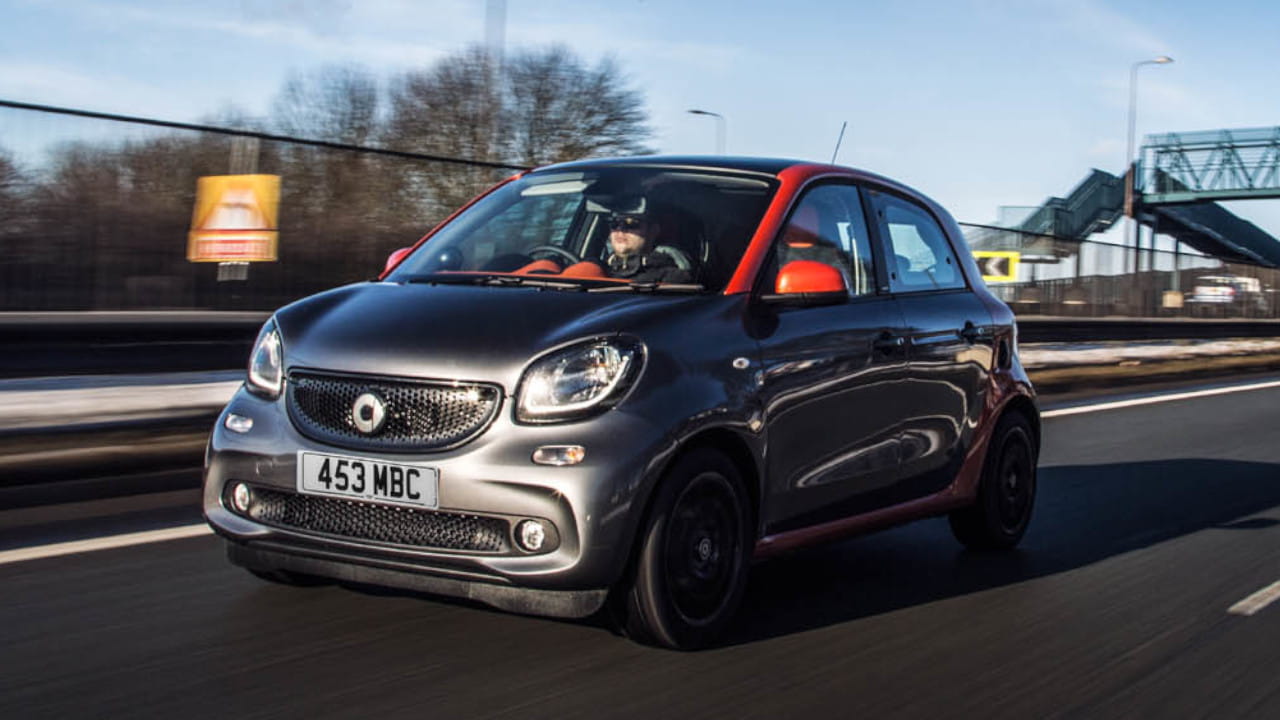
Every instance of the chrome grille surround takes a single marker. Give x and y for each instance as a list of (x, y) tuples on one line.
[(421, 415), (371, 522)]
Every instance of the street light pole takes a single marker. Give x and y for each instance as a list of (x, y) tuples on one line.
[(720, 127), (1131, 168)]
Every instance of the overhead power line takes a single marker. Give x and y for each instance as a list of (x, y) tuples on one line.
[(260, 135)]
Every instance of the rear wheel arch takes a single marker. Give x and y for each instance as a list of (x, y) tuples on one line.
[(1005, 497)]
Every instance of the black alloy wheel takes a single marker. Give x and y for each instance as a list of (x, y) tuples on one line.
[(1006, 492), (693, 556)]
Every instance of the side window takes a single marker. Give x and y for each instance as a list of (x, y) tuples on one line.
[(918, 254), (828, 226)]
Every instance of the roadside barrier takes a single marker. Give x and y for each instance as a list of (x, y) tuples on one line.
[(141, 450), (47, 344)]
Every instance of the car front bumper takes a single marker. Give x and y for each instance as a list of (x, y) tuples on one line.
[(593, 507)]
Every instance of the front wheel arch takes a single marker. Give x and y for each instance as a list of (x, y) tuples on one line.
[(719, 439), (643, 604)]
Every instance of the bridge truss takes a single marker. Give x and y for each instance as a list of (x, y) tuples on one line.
[(1210, 166)]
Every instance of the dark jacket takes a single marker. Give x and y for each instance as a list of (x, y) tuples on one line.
[(647, 267)]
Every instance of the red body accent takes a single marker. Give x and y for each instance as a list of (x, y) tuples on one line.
[(791, 181)]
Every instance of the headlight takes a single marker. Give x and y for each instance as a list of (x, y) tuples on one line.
[(578, 381), (266, 364)]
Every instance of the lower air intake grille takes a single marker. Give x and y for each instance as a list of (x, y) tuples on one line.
[(379, 523)]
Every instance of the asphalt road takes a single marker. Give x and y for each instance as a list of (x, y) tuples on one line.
[(1152, 521)]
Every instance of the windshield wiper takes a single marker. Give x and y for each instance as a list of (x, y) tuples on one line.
[(653, 287), (506, 280), (499, 280), (443, 279)]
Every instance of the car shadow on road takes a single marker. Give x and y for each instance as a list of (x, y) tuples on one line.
[(1083, 514)]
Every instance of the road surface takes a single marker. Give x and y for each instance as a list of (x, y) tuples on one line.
[(1153, 524)]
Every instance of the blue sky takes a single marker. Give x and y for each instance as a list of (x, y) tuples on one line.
[(979, 103)]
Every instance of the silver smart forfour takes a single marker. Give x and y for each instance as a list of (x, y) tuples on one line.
[(619, 382)]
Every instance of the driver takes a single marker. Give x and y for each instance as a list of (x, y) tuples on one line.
[(634, 257)]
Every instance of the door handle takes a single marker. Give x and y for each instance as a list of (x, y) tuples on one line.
[(887, 342), (970, 333)]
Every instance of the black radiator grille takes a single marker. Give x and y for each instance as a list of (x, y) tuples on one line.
[(420, 415)]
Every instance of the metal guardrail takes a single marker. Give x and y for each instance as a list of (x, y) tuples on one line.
[(70, 463), (44, 344)]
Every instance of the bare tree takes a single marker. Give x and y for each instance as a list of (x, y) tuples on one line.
[(16, 284), (541, 106), (12, 191), (452, 109), (338, 196), (561, 110), (334, 103), (103, 224)]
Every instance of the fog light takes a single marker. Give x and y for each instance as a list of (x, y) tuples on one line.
[(559, 454), (241, 497), (238, 423), (530, 535)]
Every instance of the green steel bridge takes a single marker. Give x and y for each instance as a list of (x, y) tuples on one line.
[(1180, 179), (1215, 165)]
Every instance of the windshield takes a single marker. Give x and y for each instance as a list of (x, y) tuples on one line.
[(605, 227)]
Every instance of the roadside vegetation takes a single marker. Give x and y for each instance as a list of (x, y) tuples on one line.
[(102, 224)]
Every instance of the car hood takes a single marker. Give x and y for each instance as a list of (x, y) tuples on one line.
[(456, 332)]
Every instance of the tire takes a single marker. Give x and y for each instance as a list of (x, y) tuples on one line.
[(692, 557), (1006, 493)]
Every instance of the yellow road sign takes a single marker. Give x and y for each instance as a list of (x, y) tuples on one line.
[(998, 265), (235, 219)]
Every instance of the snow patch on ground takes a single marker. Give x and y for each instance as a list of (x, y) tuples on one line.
[(1055, 355)]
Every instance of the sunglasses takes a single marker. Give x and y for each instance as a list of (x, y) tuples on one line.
[(626, 222)]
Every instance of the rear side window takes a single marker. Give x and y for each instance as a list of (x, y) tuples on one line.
[(919, 256)]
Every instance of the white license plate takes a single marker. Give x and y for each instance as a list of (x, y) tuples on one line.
[(365, 479)]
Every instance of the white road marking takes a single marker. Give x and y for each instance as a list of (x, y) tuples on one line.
[(102, 543), (1257, 601), (1157, 399)]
